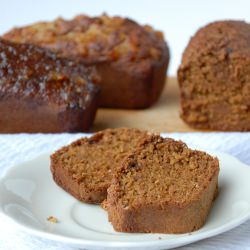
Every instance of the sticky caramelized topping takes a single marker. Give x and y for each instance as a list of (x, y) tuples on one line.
[(94, 39)]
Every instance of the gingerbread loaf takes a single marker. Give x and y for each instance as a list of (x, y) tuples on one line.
[(85, 168), (214, 77), (40, 92), (162, 187), (131, 59)]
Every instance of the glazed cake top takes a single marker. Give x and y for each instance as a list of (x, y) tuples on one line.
[(30, 71)]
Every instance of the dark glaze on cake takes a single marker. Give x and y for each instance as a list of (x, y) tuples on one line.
[(36, 78)]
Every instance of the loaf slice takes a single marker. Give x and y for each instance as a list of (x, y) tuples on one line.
[(40, 92), (85, 167), (131, 59), (162, 187), (214, 77)]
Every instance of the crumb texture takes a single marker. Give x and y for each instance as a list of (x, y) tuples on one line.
[(163, 186), (165, 172), (214, 77), (91, 162)]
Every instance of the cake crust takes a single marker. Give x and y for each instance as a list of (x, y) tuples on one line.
[(214, 77), (131, 59), (143, 198)]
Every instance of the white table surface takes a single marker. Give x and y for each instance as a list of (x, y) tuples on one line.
[(18, 148)]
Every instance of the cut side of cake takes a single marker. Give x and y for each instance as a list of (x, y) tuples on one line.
[(85, 168), (162, 187), (214, 77)]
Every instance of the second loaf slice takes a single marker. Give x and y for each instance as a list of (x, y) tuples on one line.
[(162, 187)]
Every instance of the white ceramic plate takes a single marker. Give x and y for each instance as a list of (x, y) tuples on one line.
[(29, 196)]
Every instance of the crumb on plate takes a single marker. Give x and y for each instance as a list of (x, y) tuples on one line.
[(52, 219)]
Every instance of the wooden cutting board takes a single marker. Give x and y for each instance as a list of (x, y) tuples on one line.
[(163, 116)]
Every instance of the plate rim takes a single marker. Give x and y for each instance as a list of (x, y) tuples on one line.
[(188, 238)]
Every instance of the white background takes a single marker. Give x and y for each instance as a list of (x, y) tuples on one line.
[(178, 19)]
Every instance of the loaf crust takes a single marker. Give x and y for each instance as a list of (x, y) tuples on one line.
[(214, 77), (131, 59), (40, 92), (174, 197), (85, 167)]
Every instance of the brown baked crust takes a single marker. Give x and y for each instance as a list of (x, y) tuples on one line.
[(214, 77), (40, 92), (162, 187), (85, 167), (131, 59)]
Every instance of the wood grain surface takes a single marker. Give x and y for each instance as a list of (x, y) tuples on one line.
[(163, 116)]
